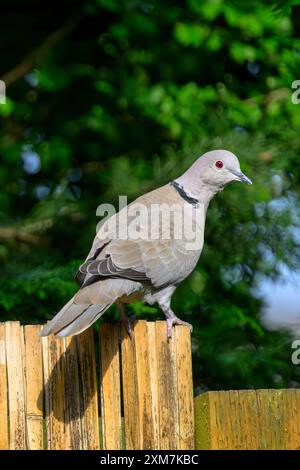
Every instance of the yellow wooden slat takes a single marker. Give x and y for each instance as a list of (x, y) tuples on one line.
[(15, 379), (110, 387), (222, 420), (291, 425), (270, 431), (216, 437), (230, 419), (275, 410), (167, 389), (34, 387), (130, 391), (4, 442), (264, 420), (148, 425), (245, 404), (203, 439), (90, 418), (153, 382), (185, 397), (235, 405), (74, 438), (46, 391), (54, 392)]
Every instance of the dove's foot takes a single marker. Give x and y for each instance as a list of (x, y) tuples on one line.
[(127, 324), (125, 320), (173, 320)]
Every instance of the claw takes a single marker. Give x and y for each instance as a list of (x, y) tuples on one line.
[(127, 324), (176, 321), (125, 320)]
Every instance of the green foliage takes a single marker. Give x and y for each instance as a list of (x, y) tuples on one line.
[(120, 103)]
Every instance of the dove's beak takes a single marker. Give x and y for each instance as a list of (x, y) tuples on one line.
[(241, 177)]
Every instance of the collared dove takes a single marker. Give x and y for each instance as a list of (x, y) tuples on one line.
[(124, 266)]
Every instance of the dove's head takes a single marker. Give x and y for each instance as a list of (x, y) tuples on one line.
[(220, 167), (211, 173)]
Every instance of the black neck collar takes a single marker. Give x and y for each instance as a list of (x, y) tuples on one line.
[(181, 191)]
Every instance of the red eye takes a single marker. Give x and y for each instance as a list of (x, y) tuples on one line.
[(219, 164)]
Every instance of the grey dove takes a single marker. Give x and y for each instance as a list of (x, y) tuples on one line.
[(136, 256)]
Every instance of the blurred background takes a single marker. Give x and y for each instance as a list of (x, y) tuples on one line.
[(116, 97)]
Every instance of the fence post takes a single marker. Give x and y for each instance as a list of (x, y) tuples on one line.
[(146, 375)]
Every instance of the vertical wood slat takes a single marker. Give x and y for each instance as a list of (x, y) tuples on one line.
[(46, 391), (90, 414), (15, 381), (247, 406), (72, 416), (34, 387), (54, 392), (167, 388), (153, 377), (270, 435), (291, 412), (110, 387), (130, 391), (4, 441), (147, 403), (185, 388)]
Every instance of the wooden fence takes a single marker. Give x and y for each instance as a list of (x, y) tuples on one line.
[(50, 396), (138, 395)]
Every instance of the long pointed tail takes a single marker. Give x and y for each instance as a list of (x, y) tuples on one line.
[(73, 319)]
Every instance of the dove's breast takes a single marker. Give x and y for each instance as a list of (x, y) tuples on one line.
[(173, 255)]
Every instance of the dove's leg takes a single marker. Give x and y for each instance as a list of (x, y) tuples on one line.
[(125, 320), (173, 320), (165, 305)]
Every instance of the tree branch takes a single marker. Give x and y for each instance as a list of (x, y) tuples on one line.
[(40, 52), (21, 235)]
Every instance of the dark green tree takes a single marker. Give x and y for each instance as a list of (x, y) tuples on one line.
[(114, 97)]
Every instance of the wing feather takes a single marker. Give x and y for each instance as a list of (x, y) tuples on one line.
[(160, 261)]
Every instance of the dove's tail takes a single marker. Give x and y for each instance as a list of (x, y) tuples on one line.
[(73, 319), (88, 305)]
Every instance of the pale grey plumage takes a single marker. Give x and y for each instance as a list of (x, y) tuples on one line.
[(123, 270)]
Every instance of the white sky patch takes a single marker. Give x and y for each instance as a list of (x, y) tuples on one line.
[(283, 302)]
